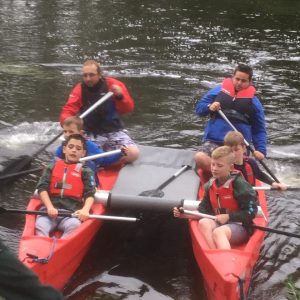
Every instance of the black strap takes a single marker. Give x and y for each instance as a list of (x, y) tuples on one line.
[(241, 286), (46, 259)]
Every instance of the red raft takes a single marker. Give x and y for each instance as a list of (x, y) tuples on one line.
[(227, 273), (55, 260)]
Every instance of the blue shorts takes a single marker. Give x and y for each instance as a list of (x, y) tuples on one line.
[(111, 140), (239, 234)]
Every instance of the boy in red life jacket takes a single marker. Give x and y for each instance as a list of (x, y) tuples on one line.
[(66, 185), (229, 197), (247, 165)]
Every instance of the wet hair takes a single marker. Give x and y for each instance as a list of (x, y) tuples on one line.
[(224, 151), (244, 69), (78, 137), (234, 138), (93, 62), (74, 120)]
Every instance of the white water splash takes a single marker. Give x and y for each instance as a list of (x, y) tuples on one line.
[(26, 133)]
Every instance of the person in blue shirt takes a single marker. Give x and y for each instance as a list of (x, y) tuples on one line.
[(74, 125), (236, 97)]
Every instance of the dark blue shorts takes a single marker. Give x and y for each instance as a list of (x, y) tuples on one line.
[(239, 234), (208, 147)]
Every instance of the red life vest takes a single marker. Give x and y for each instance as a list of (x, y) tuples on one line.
[(222, 198), (237, 106), (228, 88), (66, 180), (249, 172)]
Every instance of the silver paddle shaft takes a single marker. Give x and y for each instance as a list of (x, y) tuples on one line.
[(100, 155), (95, 105)]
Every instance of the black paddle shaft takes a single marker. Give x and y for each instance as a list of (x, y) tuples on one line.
[(47, 145), (32, 212), (13, 175), (18, 166), (267, 229), (248, 145), (158, 191), (169, 180), (264, 165)]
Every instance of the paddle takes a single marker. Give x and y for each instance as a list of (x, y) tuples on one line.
[(248, 145), (267, 229), (100, 155), (270, 188), (18, 165), (66, 214), (158, 191), (11, 175)]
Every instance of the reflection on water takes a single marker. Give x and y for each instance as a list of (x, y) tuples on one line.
[(168, 53), (118, 286)]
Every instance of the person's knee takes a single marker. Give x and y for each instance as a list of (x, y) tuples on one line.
[(204, 225), (69, 226), (217, 234), (221, 233), (202, 160), (43, 226), (133, 153)]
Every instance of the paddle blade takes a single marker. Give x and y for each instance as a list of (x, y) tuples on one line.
[(2, 210), (14, 166)]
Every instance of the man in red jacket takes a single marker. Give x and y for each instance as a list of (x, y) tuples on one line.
[(103, 125)]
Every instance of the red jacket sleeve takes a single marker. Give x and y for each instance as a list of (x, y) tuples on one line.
[(74, 102), (73, 105), (126, 104)]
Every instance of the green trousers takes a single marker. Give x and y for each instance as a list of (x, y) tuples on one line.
[(19, 283)]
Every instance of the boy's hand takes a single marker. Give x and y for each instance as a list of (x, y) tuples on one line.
[(124, 150), (177, 212), (82, 214), (279, 186), (222, 219), (258, 155), (52, 212)]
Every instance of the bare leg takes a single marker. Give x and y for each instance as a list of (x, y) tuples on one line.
[(206, 227), (203, 162), (133, 154), (221, 237)]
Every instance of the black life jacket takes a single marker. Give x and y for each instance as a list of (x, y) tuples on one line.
[(105, 117), (237, 106)]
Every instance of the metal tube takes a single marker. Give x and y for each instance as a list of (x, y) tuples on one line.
[(113, 218), (99, 102), (104, 154)]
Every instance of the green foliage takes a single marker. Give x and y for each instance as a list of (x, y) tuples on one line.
[(294, 293)]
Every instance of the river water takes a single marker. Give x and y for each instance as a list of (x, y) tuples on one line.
[(169, 53)]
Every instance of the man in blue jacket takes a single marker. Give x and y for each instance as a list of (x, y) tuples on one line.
[(236, 97)]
